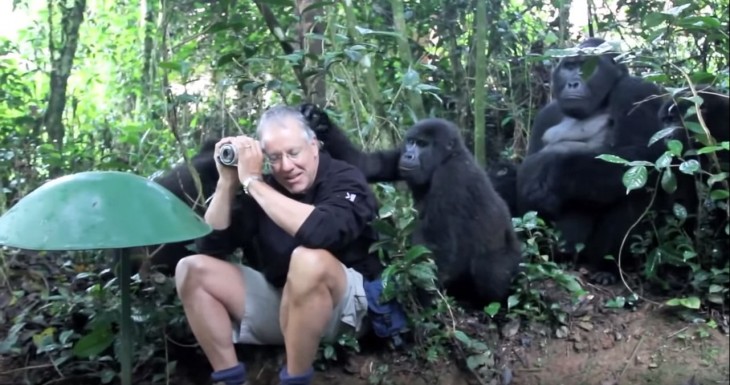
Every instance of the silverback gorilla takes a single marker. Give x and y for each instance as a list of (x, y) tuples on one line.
[(461, 219), (606, 111)]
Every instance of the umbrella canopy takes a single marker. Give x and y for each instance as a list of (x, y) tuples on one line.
[(99, 210)]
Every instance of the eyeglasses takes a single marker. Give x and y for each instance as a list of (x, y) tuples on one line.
[(291, 155)]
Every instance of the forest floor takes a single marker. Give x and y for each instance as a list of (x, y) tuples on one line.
[(647, 344)]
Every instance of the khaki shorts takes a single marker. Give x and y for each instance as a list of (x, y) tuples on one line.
[(260, 323)]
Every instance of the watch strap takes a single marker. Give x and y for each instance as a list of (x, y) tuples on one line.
[(247, 182)]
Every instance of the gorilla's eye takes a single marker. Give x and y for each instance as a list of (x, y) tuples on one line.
[(572, 65), (417, 142)]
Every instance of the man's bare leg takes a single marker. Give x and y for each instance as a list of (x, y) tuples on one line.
[(315, 284), (211, 291)]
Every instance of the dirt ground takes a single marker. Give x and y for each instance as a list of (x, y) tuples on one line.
[(647, 344), (641, 347)]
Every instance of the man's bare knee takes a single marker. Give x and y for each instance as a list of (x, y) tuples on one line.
[(196, 270), (312, 269)]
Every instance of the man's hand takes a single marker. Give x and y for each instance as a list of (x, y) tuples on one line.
[(250, 158)]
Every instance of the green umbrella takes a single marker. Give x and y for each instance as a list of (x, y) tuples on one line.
[(101, 210)]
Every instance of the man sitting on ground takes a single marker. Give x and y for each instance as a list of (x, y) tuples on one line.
[(312, 228)]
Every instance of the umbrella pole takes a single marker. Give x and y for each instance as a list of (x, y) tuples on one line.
[(125, 323)]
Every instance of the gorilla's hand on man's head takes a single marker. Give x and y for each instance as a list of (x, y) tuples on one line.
[(317, 119)]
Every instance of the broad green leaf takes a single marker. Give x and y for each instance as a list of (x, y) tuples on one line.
[(462, 337), (675, 147), (717, 195), (709, 149), (415, 252), (612, 158), (679, 211), (664, 161), (616, 303), (329, 352), (571, 283), (640, 163), (669, 181), (635, 178), (589, 66), (661, 134), (689, 167), (94, 343), (695, 128), (690, 302), (716, 289), (721, 177), (492, 309)]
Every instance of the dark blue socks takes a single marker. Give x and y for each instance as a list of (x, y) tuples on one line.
[(231, 376), (303, 379)]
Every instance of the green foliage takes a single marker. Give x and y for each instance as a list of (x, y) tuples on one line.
[(151, 79), (75, 324), (696, 249), (528, 298)]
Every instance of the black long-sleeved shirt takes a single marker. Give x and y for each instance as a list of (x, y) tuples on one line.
[(340, 223)]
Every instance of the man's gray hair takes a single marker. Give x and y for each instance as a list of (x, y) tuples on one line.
[(280, 113)]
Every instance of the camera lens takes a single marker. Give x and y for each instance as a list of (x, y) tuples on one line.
[(228, 154)]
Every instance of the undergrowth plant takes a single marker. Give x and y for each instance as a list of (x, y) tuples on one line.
[(691, 245)]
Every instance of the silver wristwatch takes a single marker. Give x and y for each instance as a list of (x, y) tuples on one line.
[(248, 181)]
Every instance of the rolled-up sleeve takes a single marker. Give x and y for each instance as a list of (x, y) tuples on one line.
[(345, 209)]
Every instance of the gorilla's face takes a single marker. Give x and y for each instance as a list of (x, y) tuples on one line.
[(415, 161), (427, 145), (581, 84)]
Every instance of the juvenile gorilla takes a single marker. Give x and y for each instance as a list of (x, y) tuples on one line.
[(179, 181), (603, 111), (461, 219)]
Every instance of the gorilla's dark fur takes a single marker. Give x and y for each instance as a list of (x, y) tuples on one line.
[(461, 218), (604, 111), (179, 180)]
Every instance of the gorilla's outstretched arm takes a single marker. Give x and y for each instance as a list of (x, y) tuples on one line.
[(378, 166)]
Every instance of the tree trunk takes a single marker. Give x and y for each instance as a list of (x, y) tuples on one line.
[(313, 47), (61, 63)]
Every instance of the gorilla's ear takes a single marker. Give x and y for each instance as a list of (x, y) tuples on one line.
[(451, 145)]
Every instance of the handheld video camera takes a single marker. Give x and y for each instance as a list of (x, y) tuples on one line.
[(228, 155)]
